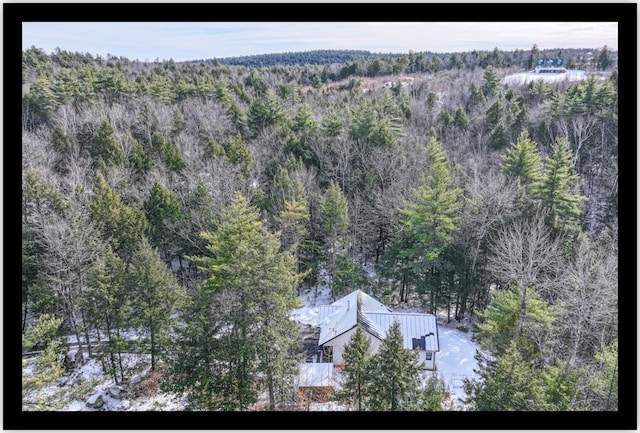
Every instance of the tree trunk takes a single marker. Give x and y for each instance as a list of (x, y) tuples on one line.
[(153, 349), (523, 311), (85, 327), (576, 344), (26, 311), (272, 395), (112, 359)]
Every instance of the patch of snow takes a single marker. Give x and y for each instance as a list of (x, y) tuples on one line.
[(316, 374), (305, 315), (326, 407), (92, 369), (525, 77), (456, 360), (371, 271)]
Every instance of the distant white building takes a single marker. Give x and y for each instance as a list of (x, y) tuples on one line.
[(339, 321)]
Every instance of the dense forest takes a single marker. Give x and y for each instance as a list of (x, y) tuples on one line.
[(193, 202), (316, 57)]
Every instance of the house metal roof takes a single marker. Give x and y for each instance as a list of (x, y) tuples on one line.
[(376, 318)]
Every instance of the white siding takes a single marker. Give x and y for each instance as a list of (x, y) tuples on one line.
[(339, 342)]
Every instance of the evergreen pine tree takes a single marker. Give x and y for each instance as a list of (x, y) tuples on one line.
[(162, 210), (460, 119), (355, 373), (557, 192), (509, 384), (335, 218), (122, 225), (395, 374), (109, 307), (432, 218), (490, 82), (155, 293), (254, 281), (499, 321), (105, 145), (48, 363), (522, 162)]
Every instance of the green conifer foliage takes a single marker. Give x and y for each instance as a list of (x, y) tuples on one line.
[(138, 157), (109, 307), (162, 210), (509, 384), (490, 82), (332, 122), (168, 151), (395, 374), (335, 212), (238, 153), (256, 280), (48, 363), (335, 221), (265, 110), (522, 161), (604, 380), (460, 119), (105, 145), (557, 192), (355, 373), (499, 321), (122, 225), (156, 295), (432, 217)]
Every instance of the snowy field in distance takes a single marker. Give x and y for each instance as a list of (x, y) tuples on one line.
[(525, 77)]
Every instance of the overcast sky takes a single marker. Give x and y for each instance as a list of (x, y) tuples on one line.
[(191, 40)]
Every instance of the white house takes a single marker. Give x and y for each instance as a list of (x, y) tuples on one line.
[(339, 321)]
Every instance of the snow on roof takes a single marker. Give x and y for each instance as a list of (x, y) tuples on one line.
[(376, 318), (315, 374), (342, 315)]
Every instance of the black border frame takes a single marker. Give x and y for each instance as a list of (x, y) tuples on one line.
[(16, 13)]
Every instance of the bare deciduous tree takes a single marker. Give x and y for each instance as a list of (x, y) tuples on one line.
[(523, 254)]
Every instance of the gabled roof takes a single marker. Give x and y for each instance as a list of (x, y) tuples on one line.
[(376, 318)]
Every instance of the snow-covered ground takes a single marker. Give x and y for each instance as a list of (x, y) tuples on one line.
[(525, 77), (455, 361)]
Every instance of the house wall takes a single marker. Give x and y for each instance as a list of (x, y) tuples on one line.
[(339, 342), (429, 365)]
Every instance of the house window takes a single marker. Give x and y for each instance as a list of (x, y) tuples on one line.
[(429, 356), (327, 353)]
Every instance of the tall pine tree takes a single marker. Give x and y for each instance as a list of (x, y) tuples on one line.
[(355, 373), (431, 219), (253, 282), (557, 192), (395, 374), (155, 293)]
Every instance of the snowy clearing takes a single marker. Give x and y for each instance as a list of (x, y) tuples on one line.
[(87, 388), (455, 361), (525, 77)]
